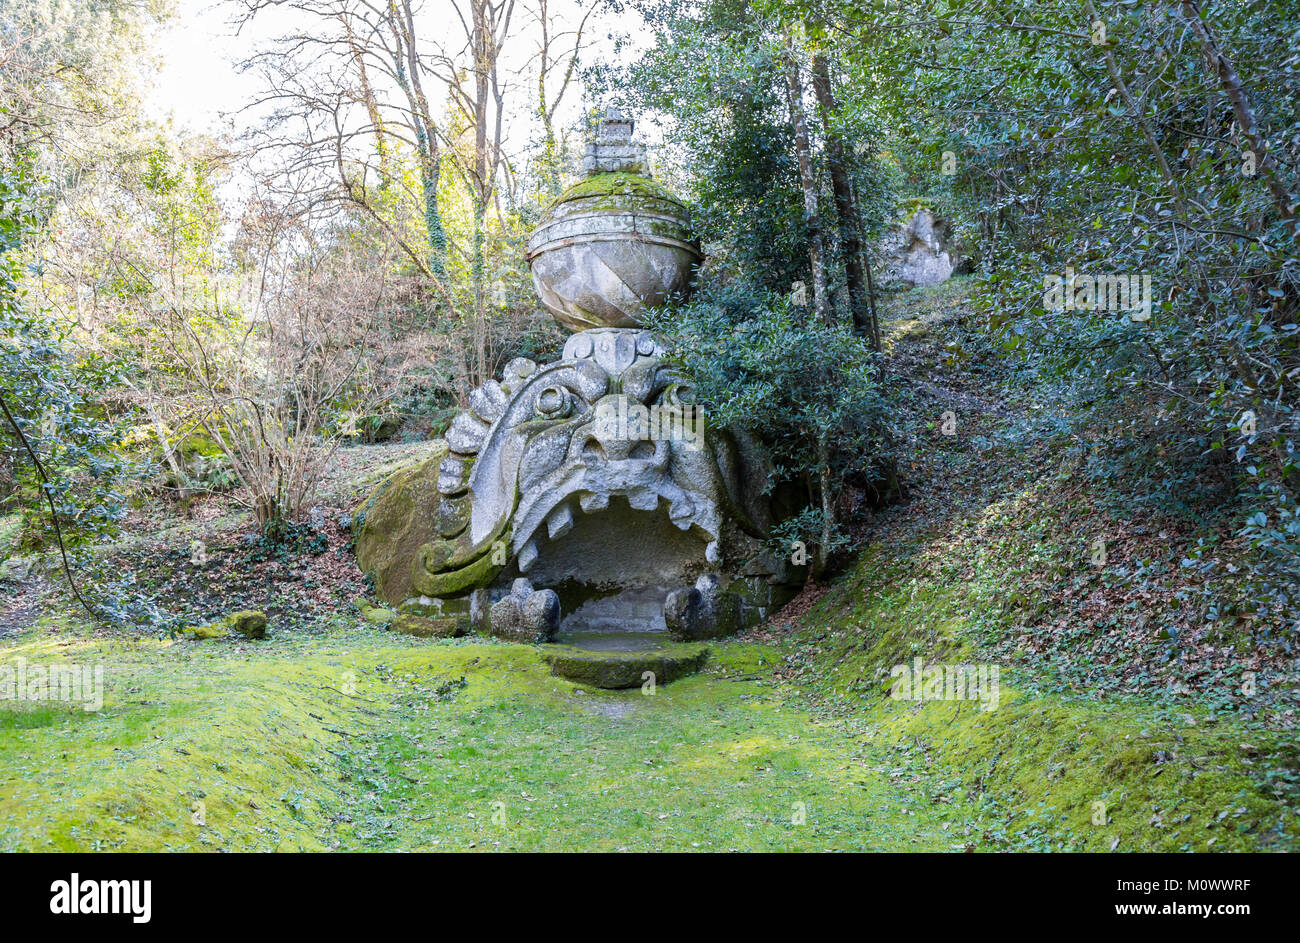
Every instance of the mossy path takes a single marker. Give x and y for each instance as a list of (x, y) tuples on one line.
[(358, 740)]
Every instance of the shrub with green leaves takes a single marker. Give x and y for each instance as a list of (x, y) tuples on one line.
[(811, 392), (49, 395)]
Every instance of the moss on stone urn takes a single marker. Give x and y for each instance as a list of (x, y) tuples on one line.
[(614, 243)]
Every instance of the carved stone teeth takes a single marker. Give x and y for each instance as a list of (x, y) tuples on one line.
[(593, 502), (527, 556), (466, 434), (713, 553), (593, 381), (639, 379), (680, 512), (452, 477), (516, 371), (643, 499), (559, 522), (488, 402)]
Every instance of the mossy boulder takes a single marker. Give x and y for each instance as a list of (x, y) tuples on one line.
[(250, 623), (200, 633), (377, 615), (603, 669), (399, 517), (16, 569), (427, 627)]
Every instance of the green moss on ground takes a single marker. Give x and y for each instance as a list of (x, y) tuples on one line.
[(194, 747), (362, 739), (1074, 775), (1047, 768)]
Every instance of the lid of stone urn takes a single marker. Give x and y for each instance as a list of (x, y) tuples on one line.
[(614, 243), (614, 150)]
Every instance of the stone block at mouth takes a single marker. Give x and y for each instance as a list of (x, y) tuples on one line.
[(624, 669)]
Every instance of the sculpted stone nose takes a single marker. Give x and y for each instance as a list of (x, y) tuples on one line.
[(621, 430)]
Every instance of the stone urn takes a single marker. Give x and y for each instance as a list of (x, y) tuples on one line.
[(615, 242)]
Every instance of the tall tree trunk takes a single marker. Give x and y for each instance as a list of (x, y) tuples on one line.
[(872, 318), (825, 486), (1136, 112), (426, 135), (481, 183), (372, 107), (1245, 114), (808, 182), (850, 240)]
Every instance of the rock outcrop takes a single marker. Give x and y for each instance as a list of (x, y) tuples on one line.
[(919, 251)]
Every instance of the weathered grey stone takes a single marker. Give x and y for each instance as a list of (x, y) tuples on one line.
[(453, 475), (526, 615), (466, 434), (429, 608), (613, 150), (488, 402), (577, 485), (919, 251), (453, 516), (592, 479), (15, 569), (517, 370), (702, 611)]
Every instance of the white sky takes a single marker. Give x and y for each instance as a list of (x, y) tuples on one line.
[(197, 80), (199, 88)]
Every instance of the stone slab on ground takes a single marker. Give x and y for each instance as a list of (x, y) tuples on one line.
[(605, 669)]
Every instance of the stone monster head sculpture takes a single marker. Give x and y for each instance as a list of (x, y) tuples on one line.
[(607, 425), (594, 478)]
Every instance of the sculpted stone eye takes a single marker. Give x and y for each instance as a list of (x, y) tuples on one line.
[(554, 402), (680, 394)]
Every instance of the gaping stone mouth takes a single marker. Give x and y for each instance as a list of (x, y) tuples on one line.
[(595, 474), (587, 488), (610, 595)]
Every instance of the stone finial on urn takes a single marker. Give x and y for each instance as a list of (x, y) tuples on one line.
[(614, 243), (614, 150)]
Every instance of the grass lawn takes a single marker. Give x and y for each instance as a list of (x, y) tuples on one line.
[(357, 739)]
